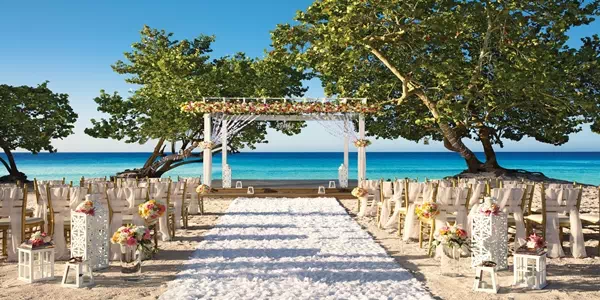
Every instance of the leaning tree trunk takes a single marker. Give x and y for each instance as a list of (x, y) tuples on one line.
[(452, 140), (491, 162), (14, 174)]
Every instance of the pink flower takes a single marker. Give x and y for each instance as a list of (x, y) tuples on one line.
[(147, 235), (131, 241)]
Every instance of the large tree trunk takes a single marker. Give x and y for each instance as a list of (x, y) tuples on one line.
[(491, 162), (11, 166)]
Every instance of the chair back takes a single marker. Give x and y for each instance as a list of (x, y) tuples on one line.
[(451, 199)]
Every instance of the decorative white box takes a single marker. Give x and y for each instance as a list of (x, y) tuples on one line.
[(36, 264), (489, 240), (89, 235)]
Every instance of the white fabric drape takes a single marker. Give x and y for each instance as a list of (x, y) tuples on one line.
[(191, 184), (411, 223), (177, 198), (160, 190), (76, 195), (386, 204), (135, 196), (8, 197), (398, 188), (509, 201), (563, 201), (60, 205), (119, 204)]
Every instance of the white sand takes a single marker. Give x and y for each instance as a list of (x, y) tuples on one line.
[(291, 248)]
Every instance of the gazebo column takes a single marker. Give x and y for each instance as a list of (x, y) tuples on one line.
[(362, 151), (226, 171), (207, 161)]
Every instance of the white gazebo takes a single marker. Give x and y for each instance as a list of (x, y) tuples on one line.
[(235, 113)]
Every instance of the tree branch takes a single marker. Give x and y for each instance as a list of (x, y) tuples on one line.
[(407, 87), (173, 166)]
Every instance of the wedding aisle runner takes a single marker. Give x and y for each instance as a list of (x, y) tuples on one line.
[(300, 248)]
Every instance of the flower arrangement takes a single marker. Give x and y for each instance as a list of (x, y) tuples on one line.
[(203, 189), (452, 236), (151, 210), (362, 143), (276, 108), (132, 236), (489, 207), (535, 241), (206, 145), (38, 239), (427, 210), (86, 207), (359, 192)]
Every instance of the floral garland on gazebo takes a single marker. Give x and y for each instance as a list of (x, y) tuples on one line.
[(278, 108)]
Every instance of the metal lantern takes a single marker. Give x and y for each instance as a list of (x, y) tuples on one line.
[(530, 270), (89, 235), (490, 240), (36, 264)]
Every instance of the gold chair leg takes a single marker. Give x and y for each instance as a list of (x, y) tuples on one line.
[(4, 242), (420, 234), (400, 225)]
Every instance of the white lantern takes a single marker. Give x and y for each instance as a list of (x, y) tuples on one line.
[(89, 235), (489, 236), (36, 264), (530, 270), (250, 190), (321, 190), (343, 176), (238, 185), (82, 272), (480, 285), (332, 184)]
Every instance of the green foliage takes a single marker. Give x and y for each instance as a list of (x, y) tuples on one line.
[(31, 118), (468, 69), (168, 72)]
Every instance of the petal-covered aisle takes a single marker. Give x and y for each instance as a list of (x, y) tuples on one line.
[(300, 248)]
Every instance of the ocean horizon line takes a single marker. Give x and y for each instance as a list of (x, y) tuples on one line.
[(246, 152)]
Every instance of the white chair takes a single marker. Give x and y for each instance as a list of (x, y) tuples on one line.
[(510, 201), (560, 208), (14, 221), (384, 206)]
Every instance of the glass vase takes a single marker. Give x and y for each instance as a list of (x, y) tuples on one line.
[(131, 260), (450, 261)]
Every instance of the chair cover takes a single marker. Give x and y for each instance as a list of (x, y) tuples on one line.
[(509, 201), (61, 207), (372, 187), (563, 201), (192, 184), (135, 196), (411, 222), (159, 193), (177, 198), (398, 188), (76, 196), (119, 204), (386, 205), (8, 197)]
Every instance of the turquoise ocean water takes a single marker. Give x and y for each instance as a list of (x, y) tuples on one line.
[(574, 166)]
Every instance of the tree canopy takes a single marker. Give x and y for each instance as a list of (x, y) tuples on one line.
[(31, 118), (169, 72), (453, 70)]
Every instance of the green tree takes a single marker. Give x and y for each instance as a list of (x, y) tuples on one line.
[(31, 118), (450, 70), (168, 73)]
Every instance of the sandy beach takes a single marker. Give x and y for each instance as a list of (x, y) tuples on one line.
[(568, 278)]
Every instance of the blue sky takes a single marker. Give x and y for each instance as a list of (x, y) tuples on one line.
[(73, 43)]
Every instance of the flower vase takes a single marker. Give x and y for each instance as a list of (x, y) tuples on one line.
[(450, 261), (131, 260)]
